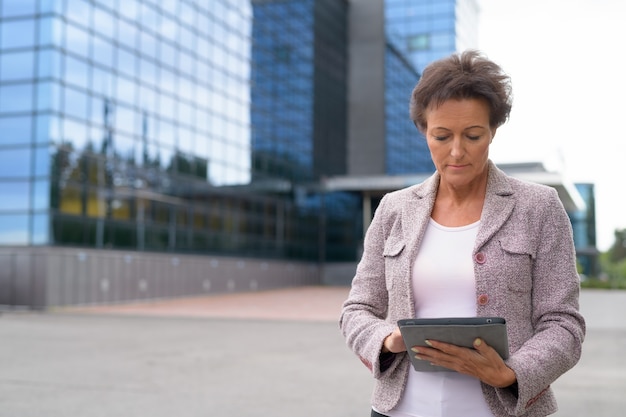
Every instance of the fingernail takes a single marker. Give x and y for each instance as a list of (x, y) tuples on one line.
[(417, 357), (416, 350), (478, 342), (428, 343)]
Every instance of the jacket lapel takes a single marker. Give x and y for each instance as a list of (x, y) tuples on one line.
[(497, 207)]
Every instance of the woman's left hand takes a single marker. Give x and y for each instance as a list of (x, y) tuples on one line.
[(482, 362)]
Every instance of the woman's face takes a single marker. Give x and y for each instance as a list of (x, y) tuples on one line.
[(458, 136)]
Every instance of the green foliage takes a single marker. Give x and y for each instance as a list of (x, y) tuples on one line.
[(613, 268)]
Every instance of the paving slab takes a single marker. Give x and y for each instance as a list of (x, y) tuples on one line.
[(241, 355)]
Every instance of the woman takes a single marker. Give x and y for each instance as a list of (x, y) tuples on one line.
[(468, 241)]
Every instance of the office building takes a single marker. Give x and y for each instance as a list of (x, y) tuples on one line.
[(160, 148)]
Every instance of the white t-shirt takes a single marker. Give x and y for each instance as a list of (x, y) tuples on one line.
[(443, 286)]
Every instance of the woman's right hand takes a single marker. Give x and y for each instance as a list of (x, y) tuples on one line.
[(394, 342)]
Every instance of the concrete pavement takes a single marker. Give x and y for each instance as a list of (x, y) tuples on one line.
[(275, 353)]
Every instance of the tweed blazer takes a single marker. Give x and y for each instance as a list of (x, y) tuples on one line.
[(525, 271)]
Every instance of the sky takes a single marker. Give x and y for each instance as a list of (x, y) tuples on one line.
[(568, 68)]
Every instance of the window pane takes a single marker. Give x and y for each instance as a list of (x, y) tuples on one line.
[(17, 34), (76, 72), (17, 66), (18, 7), (15, 163), (16, 98), (14, 195), (41, 227), (41, 195), (49, 64), (76, 103), (15, 130), (14, 230), (42, 161)]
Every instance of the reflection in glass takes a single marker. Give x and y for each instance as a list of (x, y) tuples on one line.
[(16, 98), (17, 66), (13, 229), (15, 163), (15, 195), (15, 130), (17, 34)]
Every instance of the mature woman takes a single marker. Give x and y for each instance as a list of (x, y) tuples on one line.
[(468, 241)]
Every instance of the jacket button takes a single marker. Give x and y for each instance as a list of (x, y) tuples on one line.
[(483, 299), (480, 258)]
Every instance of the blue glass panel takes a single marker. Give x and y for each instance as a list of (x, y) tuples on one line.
[(77, 40), (15, 195), (42, 161), (42, 129), (41, 194), (50, 6), (41, 229), (76, 103), (16, 98), (47, 96), (16, 66), (18, 7), (76, 72), (13, 229), (15, 130), (15, 163), (48, 64), (17, 34)]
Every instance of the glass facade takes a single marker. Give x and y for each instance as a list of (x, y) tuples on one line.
[(584, 228), (139, 124), (407, 151), (426, 30)]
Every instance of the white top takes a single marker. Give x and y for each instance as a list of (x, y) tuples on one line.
[(444, 286)]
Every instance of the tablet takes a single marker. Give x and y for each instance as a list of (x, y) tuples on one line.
[(460, 331)]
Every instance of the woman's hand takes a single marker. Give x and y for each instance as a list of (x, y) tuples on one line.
[(482, 362), (394, 342)]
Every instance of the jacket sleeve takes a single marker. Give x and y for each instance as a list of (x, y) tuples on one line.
[(363, 314), (558, 327)]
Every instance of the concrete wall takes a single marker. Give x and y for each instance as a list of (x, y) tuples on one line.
[(366, 88), (43, 277)]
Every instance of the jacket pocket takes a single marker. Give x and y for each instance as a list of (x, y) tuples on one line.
[(393, 260), (517, 265)]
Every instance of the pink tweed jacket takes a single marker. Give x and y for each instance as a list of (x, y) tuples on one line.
[(525, 269)]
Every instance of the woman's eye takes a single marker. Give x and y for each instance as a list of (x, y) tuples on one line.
[(473, 137), (441, 138)]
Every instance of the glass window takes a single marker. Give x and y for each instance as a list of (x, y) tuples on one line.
[(76, 72), (77, 40), (127, 34), (102, 52), (15, 130), (76, 103), (126, 90), (13, 229), (16, 66), (18, 8), (148, 45), (15, 163), (74, 132), (15, 195), (41, 225), (16, 98), (42, 161), (78, 11), (49, 64), (17, 34), (126, 62), (48, 96), (41, 194), (104, 23), (129, 9)]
